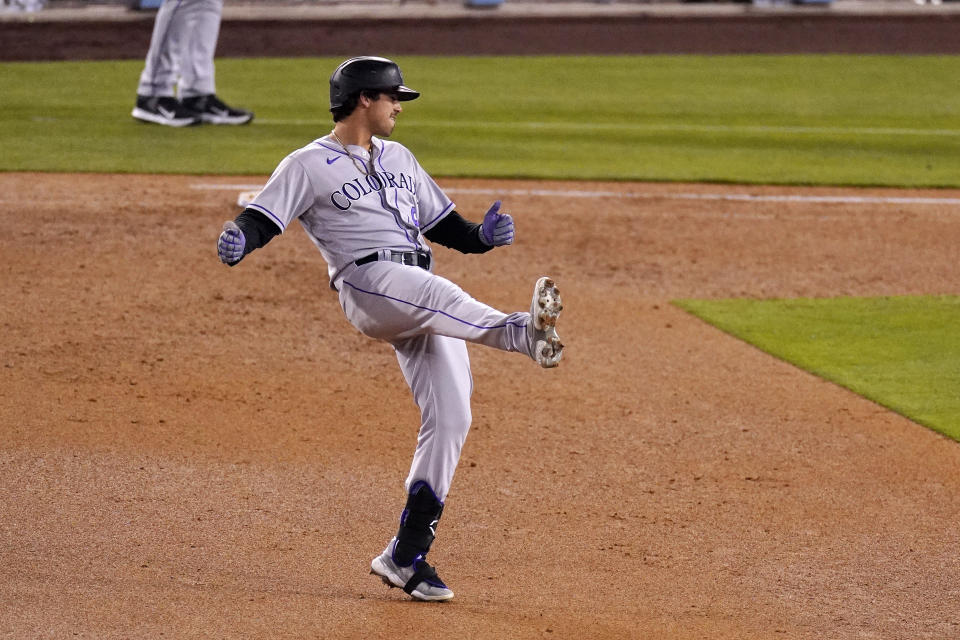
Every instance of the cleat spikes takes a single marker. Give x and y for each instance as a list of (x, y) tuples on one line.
[(383, 578), (545, 308)]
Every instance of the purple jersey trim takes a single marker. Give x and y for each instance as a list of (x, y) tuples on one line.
[(442, 313), (263, 209), (396, 194), (442, 214), (334, 149)]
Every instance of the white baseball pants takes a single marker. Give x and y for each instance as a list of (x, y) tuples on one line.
[(181, 50), (427, 318)]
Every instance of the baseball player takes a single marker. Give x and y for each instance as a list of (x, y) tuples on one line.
[(370, 208), (180, 61)]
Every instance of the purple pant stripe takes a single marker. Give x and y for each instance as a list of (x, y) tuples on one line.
[(443, 313)]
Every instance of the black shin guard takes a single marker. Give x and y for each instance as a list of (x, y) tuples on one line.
[(417, 524)]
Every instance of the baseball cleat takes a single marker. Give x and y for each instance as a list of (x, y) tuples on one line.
[(542, 330), (212, 110), (420, 581), (164, 110)]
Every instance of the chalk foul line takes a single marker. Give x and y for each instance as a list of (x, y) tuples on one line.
[(634, 195)]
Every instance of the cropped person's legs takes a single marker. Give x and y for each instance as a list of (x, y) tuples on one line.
[(156, 99), (197, 74), (197, 77), (162, 66)]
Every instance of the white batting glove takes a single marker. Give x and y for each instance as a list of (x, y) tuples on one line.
[(497, 228), (230, 244)]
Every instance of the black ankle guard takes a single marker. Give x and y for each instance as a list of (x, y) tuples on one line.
[(417, 525), (424, 573)]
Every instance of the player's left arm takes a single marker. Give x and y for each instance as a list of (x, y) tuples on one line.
[(456, 232), (452, 230)]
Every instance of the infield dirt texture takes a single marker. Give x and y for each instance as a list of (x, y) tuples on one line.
[(194, 451)]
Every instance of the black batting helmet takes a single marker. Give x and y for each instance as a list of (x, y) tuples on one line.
[(367, 72)]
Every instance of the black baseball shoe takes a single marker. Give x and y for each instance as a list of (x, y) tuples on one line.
[(419, 579), (164, 110), (214, 111)]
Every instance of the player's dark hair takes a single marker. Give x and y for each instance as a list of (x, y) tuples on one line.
[(350, 104)]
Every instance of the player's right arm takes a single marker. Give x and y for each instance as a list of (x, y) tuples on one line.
[(249, 231), (287, 194)]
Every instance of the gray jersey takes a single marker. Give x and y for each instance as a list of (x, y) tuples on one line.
[(354, 204)]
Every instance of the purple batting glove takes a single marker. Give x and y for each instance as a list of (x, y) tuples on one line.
[(497, 228), (230, 244)]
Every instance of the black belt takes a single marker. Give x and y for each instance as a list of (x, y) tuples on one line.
[(413, 258)]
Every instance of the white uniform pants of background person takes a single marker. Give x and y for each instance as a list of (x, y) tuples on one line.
[(427, 318), (182, 46)]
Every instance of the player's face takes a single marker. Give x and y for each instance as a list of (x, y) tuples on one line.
[(383, 114)]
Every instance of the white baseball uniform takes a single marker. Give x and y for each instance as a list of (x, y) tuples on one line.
[(353, 204), (182, 47)]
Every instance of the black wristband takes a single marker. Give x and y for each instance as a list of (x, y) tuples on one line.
[(257, 229), (455, 232)]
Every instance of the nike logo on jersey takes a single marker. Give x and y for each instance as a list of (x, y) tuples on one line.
[(332, 160)]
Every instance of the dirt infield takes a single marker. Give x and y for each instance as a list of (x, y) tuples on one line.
[(161, 477)]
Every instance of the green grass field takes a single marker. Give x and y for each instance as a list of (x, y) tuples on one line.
[(840, 120), (900, 352)]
